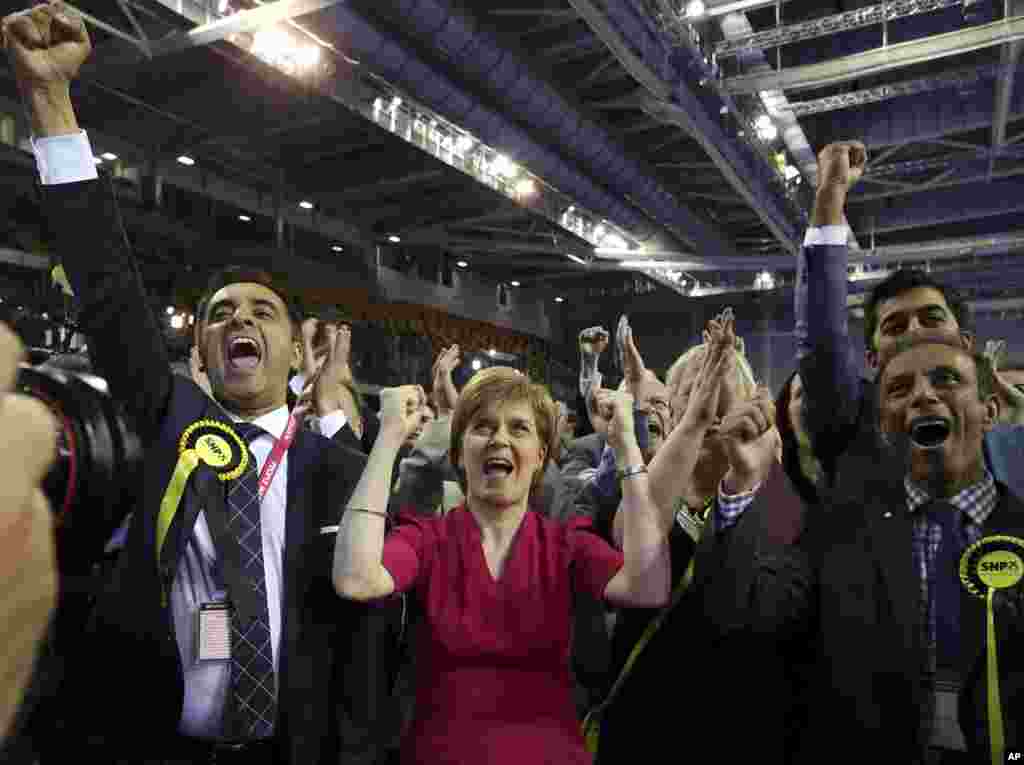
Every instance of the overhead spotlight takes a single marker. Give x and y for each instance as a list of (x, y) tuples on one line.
[(514, 284), (694, 8), (170, 310), (177, 321), (109, 156), (244, 218), (476, 365), (306, 205), (337, 248), (559, 299), (186, 160), (396, 102), (464, 144), (504, 167), (526, 187), (462, 264), (492, 352), (394, 239), (766, 129)]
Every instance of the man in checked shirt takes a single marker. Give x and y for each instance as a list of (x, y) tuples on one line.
[(870, 591)]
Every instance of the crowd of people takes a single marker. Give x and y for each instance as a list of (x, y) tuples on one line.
[(677, 568)]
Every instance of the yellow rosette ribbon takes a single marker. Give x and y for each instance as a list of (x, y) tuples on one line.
[(990, 564), (208, 442)]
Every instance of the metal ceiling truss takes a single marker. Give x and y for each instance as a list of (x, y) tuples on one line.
[(961, 78), (880, 60), (830, 25)]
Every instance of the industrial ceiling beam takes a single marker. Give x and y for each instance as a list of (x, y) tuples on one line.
[(830, 25), (962, 180), (880, 60), (1009, 56), (249, 20)]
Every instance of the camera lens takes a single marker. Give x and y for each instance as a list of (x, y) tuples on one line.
[(98, 462)]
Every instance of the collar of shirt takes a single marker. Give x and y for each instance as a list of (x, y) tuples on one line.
[(977, 500), (273, 422)]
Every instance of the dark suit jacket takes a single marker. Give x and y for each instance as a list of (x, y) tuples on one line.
[(130, 656), (704, 670), (848, 597)]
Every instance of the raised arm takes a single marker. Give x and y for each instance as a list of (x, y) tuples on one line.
[(46, 46), (672, 467), (826, 362), (644, 580), (358, 572)]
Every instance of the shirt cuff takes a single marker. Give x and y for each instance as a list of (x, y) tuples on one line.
[(732, 506), (333, 422), (297, 384), (64, 159), (833, 235)]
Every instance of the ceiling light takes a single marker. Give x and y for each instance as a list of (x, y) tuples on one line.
[(526, 187), (559, 299), (394, 239), (97, 161), (462, 264), (615, 242), (476, 364), (244, 218), (185, 160), (504, 167), (170, 310), (110, 157), (695, 9), (337, 248), (464, 144), (514, 284), (396, 102), (177, 321), (306, 205), (492, 352), (790, 172), (576, 258)]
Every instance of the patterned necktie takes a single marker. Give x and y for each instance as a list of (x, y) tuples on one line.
[(252, 706), (945, 581)]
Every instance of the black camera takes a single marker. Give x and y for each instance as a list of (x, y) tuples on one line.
[(95, 480)]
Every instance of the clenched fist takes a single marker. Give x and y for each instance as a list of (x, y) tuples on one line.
[(47, 44), (401, 411)]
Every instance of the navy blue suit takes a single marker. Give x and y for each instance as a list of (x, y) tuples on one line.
[(124, 689)]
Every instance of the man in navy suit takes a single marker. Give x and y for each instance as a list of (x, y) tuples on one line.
[(219, 637), (839, 406)]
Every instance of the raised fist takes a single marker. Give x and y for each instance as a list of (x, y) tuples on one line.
[(841, 164), (400, 410), (47, 46)]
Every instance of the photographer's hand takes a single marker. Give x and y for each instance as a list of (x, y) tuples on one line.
[(28, 576)]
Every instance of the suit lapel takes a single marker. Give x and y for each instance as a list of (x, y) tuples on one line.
[(892, 537)]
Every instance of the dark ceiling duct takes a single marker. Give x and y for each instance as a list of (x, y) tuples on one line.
[(479, 54), (398, 65)]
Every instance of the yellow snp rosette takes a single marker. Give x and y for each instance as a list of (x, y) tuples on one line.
[(209, 442), (990, 564)]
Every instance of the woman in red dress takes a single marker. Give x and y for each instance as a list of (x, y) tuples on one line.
[(495, 580)]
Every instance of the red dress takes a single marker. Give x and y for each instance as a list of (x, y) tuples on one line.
[(494, 686)]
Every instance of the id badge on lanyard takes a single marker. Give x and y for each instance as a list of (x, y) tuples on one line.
[(213, 620)]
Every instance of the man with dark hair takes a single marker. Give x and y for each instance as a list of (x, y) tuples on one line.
[(838, 406), (219, 637), (872, 592)]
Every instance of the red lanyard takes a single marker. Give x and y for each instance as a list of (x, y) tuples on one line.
[(277, 453)]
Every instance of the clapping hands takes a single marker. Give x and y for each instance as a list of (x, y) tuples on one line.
[(444, 393)]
